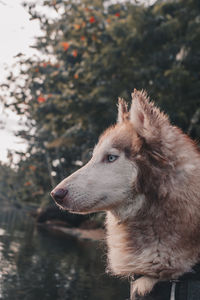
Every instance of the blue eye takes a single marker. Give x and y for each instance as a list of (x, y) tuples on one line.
[(111, 158)]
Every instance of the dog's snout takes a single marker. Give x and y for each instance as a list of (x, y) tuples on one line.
[(59, 194)]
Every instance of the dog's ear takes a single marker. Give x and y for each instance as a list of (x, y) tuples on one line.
[(122, 110), (146, 118)]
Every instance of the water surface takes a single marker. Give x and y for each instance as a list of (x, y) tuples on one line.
[(37, 265)]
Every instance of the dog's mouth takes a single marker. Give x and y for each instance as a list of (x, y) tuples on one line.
[(77, 205), (72, 207), (80, 211)]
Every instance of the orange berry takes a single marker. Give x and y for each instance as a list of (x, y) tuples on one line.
[(75, 53), (77, 26), (65, 45), (41, 99), (92, 19)]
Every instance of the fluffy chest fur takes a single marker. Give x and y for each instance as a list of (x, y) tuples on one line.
[(125, 256), (135, 249)]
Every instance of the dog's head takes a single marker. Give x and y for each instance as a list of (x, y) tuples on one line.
[(125, 162)]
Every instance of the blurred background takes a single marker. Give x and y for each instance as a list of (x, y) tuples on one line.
[(63, 64)]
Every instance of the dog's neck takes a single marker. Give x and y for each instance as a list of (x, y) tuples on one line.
[(124, 242), (129, 209)]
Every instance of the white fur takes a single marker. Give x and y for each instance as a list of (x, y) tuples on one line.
[(100, 184), (142, 286), (122, 213)]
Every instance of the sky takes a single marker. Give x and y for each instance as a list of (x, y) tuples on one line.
[(17, 34)]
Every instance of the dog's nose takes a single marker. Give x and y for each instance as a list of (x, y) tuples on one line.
[(59, 194)]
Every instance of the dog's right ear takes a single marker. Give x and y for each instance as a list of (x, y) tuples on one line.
[(123, 113), (146, 118)]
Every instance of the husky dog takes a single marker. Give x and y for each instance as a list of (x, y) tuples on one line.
[(145, 173)]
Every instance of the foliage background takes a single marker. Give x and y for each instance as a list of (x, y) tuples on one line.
[(94, 52)]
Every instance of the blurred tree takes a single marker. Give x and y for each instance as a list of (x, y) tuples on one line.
[(7, 176), (95, 52)]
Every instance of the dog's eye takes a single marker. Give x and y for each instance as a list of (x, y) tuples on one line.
[(111, 157)]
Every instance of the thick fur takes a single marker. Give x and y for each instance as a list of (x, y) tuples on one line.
[(151, 193)]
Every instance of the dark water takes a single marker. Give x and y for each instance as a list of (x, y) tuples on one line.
[(36, 265)]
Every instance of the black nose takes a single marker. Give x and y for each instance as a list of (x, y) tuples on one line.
[(59, 194)]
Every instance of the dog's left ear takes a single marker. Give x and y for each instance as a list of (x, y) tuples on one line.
[(146, 118), (122, 110)]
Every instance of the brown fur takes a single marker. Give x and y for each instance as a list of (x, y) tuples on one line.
[(156, 231), (168, 224)]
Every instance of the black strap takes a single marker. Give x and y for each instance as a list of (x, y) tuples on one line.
[(184, 290), (188, 290)]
